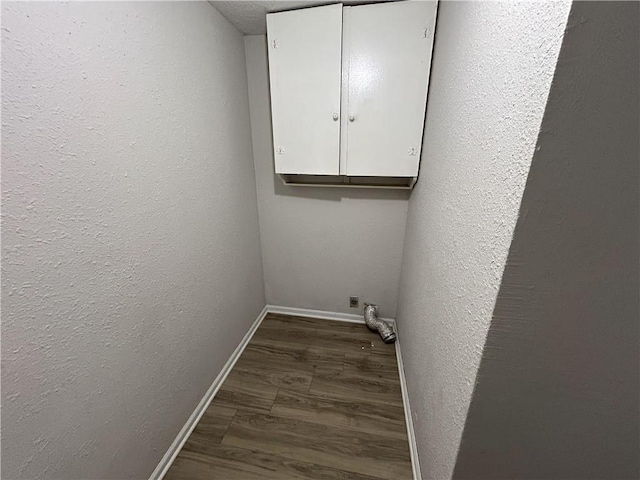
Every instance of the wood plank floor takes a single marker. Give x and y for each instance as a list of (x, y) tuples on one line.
[(307, 399)]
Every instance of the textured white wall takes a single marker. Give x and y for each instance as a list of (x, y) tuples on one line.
[(557, 393), (320, 245), (492, 68), (130, 246)]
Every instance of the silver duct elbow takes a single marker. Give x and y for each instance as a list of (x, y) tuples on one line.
[(375, 324)]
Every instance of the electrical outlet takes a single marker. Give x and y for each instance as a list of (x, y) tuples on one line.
[(353, 302)]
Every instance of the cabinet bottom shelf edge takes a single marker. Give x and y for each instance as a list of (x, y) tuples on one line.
[(300, 180)]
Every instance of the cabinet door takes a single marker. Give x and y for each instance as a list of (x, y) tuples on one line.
[(305, 49), (387, 48)]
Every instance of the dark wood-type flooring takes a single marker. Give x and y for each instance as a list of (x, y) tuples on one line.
[(307, 399)]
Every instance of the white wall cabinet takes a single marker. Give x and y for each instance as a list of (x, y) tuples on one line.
[(348, 92), (305, 49)]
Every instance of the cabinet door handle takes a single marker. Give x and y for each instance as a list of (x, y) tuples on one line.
[(352, 118), (335, 117)]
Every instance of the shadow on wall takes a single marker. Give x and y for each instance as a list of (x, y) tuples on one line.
[(557, 389)]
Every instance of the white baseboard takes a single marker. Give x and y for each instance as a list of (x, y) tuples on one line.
[(305, 312), (171, 454), (413, 446)]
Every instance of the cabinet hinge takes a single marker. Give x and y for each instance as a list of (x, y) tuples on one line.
[(280, 150), (413, 152), (426, 32), (275, 43)]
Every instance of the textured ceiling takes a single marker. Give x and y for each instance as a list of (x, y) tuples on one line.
[(248, 16)]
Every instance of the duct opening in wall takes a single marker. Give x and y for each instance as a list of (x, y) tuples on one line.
[(375, 324)]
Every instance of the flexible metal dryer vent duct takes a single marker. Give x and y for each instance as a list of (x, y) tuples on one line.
[(375, 324)]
